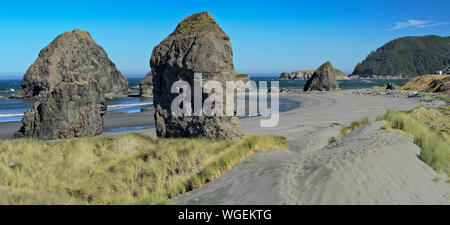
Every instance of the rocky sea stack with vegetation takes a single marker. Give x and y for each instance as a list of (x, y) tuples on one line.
[(70, 80), (198, 45), (323, 79), (70, 55), (407, 57)]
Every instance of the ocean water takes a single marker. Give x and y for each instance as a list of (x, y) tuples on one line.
[(343, 84), (12, 109)]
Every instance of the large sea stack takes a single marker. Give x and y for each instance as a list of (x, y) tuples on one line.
[(323, 79), (72, 54), (73, 108), (198, 45), (146, 86)]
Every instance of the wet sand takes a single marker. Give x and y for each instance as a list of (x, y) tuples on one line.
[(111, 121)]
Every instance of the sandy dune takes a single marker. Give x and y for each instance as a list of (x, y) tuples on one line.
[(370, 166)]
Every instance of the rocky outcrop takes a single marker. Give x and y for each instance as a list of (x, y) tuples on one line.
[(446, 71), (72, 54), (146, 85), (306, 74), (198, 45), (391, 86), (297, 75), (285, 76), (73, 108), (323, 79)]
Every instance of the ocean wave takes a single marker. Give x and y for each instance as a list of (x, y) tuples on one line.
[(125, 106), (11, 115)]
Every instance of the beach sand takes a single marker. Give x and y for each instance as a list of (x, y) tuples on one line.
[(369, 166)]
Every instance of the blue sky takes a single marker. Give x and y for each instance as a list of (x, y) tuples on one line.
[(268, 37)]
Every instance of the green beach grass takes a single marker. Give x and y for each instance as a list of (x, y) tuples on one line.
[(129, 169), (353, 126), (428, 127), (347, 129)]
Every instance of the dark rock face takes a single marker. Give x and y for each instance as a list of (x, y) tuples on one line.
[(391, 86), (285, 76), (198, 45), (72, 54), (146, 85), (446, 71), (71, 109), (323, 79)]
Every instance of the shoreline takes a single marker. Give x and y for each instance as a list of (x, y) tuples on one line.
[(117, 123), (365, 167), (318, 108)]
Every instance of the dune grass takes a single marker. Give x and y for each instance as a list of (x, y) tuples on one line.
[(427, 83), (440, 97), (428, 127), (353, 126), (332, 140), (347, 129), (129, 169)]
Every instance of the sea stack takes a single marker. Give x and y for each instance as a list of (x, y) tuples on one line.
[(198, 45), (70, 80), (323, 79), (74, 108), (146, 86), (72, 54)]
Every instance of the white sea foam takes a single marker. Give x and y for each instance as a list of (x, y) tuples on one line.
[(125, 106), (10, 115)]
